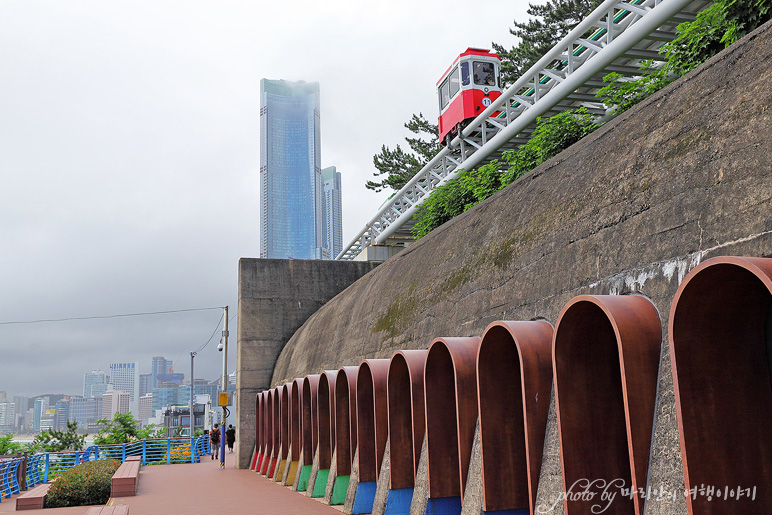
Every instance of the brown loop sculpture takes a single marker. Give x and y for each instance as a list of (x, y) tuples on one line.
[(310, 418), (264, 417), (720, 347), (514, 382), (268, 452), (276, 427), (372, 416), (606, 357), (451, 413), (295, 418), (258, 430), (345, 419), (406, 415), (286, 408), (326, 402)]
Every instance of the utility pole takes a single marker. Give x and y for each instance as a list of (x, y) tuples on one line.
[(224, 386), (192, 417)]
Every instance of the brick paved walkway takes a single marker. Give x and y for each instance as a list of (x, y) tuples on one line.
[(204, 489)]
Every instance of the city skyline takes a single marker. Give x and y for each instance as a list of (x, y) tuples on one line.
[(131, 147)]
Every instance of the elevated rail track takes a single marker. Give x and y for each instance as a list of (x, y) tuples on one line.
[(615, 37)]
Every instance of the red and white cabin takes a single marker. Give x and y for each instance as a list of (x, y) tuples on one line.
[(466, 89)]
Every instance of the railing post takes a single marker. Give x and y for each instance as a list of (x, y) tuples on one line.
[(168, 451), (48, 463), (77, 457), (123, 457), (144, 451), (192, 450)]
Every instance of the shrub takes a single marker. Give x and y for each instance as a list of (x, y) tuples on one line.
[(552, 135), (83, 485)]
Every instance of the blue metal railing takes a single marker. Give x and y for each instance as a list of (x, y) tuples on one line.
[(43, 467), (9, 477)]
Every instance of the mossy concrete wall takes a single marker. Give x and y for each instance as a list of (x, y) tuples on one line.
[(633, 207)]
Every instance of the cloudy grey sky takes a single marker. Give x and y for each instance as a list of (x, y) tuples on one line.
[(129, 139)]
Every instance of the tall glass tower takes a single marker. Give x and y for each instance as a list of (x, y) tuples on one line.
[(290, 171), (332, 218)]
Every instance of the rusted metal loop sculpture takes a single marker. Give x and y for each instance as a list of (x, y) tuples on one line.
[(606, 356), (720, 347), (407, 420), (264, 417), (286, 408), (345, 419), (258, 431), (451, 413), (269, 425), (372, 416), (310, 418), (514, 381), (326, 402), (295, 418)]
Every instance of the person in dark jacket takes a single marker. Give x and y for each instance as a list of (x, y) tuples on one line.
[(214, 439), (230, 436)]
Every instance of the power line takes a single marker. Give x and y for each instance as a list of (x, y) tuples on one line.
[(213, 333), (102, 317)]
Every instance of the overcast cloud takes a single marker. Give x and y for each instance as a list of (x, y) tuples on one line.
[(129, 140)]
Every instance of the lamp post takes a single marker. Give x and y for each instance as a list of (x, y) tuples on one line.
[(223, 347), (192, 418)]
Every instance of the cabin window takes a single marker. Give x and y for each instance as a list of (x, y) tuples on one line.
[(444, 92), (464, 74), (455, 86), (484, 73)]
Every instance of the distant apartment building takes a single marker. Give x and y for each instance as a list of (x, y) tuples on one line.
[(167, 394), (39, 412), (7, 417), (21, 404), (290, 171), (125, 377), (145, 408), (85, 411), (332, 216), (159, 366), (95, 383), (115, 401), (62, 414), (145, 384)]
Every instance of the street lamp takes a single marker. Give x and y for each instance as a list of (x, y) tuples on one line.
[(223, 347)]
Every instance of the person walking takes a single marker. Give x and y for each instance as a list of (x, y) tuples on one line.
[(214, 442), (230, 436)]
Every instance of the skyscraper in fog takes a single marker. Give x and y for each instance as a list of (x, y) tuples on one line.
[(95, 383), (332, 218), (125, 377), (290, 171), (160, 366)]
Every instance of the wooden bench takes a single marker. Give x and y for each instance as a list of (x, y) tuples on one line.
[(33, 499), (125, 479), (118, 509)]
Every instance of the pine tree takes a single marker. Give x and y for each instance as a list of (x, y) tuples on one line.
[(398, 165)]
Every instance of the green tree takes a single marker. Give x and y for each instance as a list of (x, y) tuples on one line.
[(398, 165), (552, 135), (715, 28), (8, 446), (54, 440), (548, 23), (123, 428)]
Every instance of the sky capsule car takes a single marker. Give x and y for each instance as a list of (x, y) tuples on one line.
[(466, 89)]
